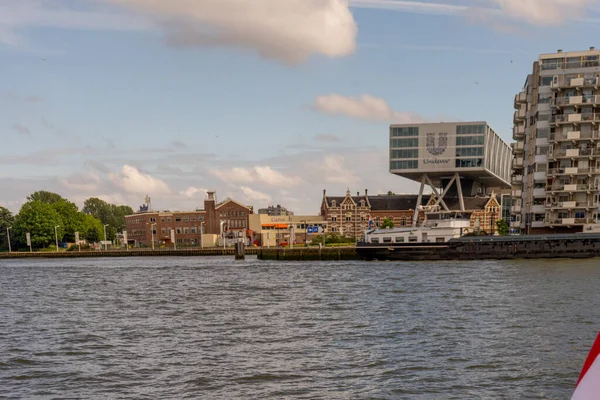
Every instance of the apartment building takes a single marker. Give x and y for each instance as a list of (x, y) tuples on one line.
[(556, 150)]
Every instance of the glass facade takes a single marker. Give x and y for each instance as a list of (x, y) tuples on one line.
[(470, 129), (404, 152), (407, 153), (405, 131), (407, 164)]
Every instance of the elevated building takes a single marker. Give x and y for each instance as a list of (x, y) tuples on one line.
[(456, 159), (556, 165)]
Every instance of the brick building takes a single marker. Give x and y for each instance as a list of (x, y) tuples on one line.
[(349, 215), (190, 227)]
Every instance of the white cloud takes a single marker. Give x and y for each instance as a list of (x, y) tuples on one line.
[(88, 182), (192, 191), (286, 30), (534, 12), (544, 12), (259, 174), (336, 171), (254, 195), (134, 181), (365, 107)]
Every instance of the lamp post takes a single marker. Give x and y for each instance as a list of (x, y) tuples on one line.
[(8, 237), (105, 245), (201, 234), (152, 231), (222, 233), (56, 236)]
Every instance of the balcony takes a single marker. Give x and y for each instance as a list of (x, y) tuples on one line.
[(516, 193), (516, 209), (574, 153), (567, 221), (575, 101), (519, 132), (519, 115), (574, 83), (571, 188), (575, 136), (517, 163), (518, 147), (515, 224), (538, 224), (520, 98), (538, 208), (575, 118), (539, 192), (517, 180)]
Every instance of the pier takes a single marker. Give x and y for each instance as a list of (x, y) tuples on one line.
[(129, 253)]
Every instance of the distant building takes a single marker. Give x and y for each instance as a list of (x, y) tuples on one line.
[(277, 230), (275, 211), (190, 226), (349, 215)]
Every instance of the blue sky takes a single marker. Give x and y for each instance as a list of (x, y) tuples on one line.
[(267, 102)]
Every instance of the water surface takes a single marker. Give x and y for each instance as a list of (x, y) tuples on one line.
[(149, 328)]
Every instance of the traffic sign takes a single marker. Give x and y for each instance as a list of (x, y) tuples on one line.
[(320, 229)]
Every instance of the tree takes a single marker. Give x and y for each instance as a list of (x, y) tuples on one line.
[(39, 219), (6, 221), (390, 193), (388, 223), (45, 197), (108, 214), (72, 219), (92, 230), (502, 227)]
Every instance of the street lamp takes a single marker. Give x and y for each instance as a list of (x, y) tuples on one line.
[(8, 237), (105, 245), (202, 235), (223, 233), (56, 236)]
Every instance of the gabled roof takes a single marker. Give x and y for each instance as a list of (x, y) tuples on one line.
[(340, 199), (221, 204), (396, 202)]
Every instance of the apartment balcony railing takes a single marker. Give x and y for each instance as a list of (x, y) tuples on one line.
[(573, 188), (573, 171), (518, 147), (515, 224), (569, 205), (517, 179), (568, 221), (519, 115), (574, 136), (520, 98), (574, 153), (519, 132), (516, 193), (575, 118), (575, 101), (516, 209), (517, 163), (563, 83)]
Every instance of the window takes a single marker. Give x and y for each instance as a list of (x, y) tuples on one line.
[(333, 218), (169, 219), (407, 164), (201, 218), (412, 153), (333, 203), (186, 219), (413, 239), (405, 142), (178, 230), (470, 129), (375, 240), (177, 219), (469, 163), (163, 231), (162, 219), (186, 230), (440, 240), (403, 221), (469, 140), (152, 219), (348, 218), (193, 230), (545, 80), (399, 240), (469, 152), (387, 240), (405, 131), (193, 219)]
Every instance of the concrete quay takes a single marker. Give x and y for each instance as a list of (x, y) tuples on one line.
[(129, 253), (308, 254)]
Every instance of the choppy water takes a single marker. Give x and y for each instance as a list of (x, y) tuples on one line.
[(157, 328)]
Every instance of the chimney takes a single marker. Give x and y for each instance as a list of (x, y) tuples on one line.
[(357, 194), (324, 191), (366, 192)]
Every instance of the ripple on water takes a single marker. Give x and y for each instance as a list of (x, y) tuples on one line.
[(211, 328)]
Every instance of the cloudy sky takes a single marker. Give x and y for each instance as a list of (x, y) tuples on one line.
[(264, 101)]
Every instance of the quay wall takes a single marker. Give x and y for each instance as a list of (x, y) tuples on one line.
[(309, 254), (128, 253)]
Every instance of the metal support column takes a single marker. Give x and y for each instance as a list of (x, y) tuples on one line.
[(419, 199)]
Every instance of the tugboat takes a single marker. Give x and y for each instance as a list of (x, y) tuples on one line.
[(449, 236)]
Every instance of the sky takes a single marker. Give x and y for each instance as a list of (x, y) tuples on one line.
[(265, 101)]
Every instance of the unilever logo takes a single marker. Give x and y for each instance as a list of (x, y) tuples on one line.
[(439, 148)]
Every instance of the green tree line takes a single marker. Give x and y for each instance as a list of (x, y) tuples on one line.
[(44, 210)]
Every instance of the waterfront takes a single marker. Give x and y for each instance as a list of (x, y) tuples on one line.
[(214, 328)]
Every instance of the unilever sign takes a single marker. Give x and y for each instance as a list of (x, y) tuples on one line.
[(436, 145)]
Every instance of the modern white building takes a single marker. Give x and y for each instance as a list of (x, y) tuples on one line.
[(456, 159), (556, 165)]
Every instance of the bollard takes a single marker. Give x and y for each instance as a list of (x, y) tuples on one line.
[(240, 251)]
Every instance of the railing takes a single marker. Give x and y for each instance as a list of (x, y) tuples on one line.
[(518, 147), (574, 82), (575, 100), (572, 188), (517, 178), (568, 221), (574, 118), (574, 136), (572, 171), (517, 163), (575, 153), (519, 114)]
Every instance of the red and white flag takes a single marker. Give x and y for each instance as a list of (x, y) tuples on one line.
[(588, 385)]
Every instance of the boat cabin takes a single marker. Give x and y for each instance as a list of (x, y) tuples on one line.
[(437, 228)]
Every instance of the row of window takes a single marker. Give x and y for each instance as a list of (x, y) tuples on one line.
[(412, 142), (470, 129), (405, 131), (469, 152), (407, 153), (348, 206), (570, 62), (179, 219), (469, 140), (233, 214), (469, 163), (405, 164), (411, 239)]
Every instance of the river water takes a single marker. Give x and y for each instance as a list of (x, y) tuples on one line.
[(212, 328)]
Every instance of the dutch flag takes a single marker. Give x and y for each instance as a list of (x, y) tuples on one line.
[(370, 222), (588, 385)]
